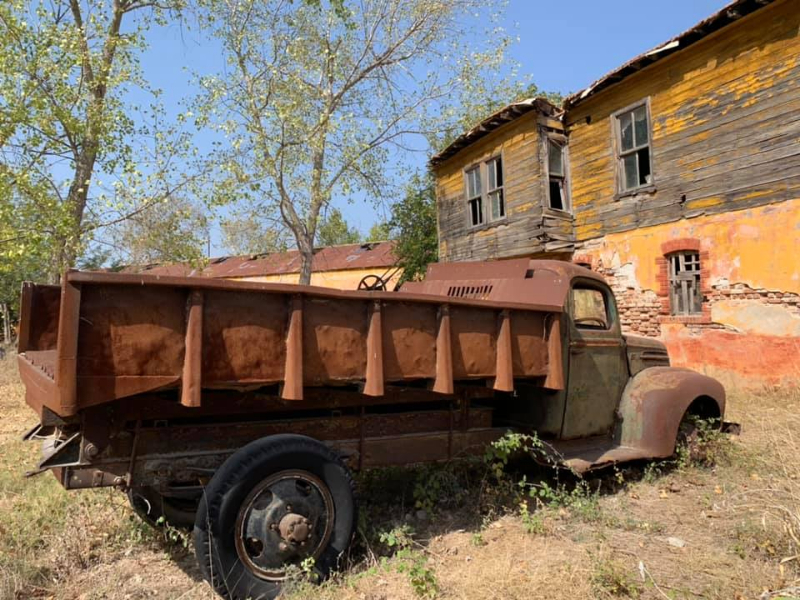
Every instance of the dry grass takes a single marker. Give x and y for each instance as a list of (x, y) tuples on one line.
[(674, 531)]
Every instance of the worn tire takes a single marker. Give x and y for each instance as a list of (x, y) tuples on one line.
[(215, 528), (151, 506)]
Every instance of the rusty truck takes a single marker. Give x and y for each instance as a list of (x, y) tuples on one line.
[(241, 408)]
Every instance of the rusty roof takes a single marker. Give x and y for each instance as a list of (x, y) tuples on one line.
[(371, 255), (498, 119), (727, 15)]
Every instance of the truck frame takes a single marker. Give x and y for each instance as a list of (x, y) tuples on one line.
[(240, 408)]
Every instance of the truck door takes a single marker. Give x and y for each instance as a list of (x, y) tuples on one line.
[(597, 369)]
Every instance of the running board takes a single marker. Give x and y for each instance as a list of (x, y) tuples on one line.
[(585, 454)]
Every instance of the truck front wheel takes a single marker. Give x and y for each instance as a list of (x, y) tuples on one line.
[(280, 502)]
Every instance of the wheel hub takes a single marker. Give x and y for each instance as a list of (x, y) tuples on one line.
[(295, 528), (287, 517)]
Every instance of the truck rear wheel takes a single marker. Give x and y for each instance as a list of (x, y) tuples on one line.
[(280, 502)]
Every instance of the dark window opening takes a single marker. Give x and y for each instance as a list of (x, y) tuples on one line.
[(497, 207), (633, 144), (556, 169), (474, 191), (685, 296)]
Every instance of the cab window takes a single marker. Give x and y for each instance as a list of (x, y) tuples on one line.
[(590, 309)]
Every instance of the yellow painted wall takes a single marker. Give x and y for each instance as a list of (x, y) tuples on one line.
[(759, 247), (342, 280), (725, 133)]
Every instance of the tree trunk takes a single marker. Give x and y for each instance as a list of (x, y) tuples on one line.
[(306, 264), (5, 314)]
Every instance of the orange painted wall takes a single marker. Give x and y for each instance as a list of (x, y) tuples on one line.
[(753, 337), (759, 247)]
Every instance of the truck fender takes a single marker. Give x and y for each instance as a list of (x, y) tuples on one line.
[(655, 401)]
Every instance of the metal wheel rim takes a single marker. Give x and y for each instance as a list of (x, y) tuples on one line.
[(258, 513)]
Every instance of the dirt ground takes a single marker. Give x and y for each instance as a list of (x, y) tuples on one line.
[(678, 529)]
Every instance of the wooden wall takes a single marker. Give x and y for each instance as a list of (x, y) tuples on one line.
[(528, 228), (725, 128)]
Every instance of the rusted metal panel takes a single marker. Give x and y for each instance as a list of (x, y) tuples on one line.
[(191, 378), (67, 350), (235, 335), (654, 402)]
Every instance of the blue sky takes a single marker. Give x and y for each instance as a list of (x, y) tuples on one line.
[(564, 46)]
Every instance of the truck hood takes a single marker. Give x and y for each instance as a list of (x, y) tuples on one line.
[(644, 352)]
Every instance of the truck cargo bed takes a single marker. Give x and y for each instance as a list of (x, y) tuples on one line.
[(120, 335)]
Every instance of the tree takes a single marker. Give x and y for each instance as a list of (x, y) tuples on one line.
[(242, 233), (413, 224), (75, 155), (333, 230), (177, 231), (380, 232), (321, 99)]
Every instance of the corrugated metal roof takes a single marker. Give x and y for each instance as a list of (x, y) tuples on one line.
[(372, 255), (498, 119), (730, 13)]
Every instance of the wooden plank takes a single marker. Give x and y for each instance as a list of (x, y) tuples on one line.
[(504, 367), (443, 384)]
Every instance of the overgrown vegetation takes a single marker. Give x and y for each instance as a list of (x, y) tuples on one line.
[(720, 524)]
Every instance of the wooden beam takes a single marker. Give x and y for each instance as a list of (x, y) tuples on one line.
[(293, 371), (192, 376), (374, 375), (443, 384)]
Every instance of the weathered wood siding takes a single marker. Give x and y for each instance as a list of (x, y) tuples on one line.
[(725, 128), (528, 228)]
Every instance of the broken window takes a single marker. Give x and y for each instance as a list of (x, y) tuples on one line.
[(589, 309), (497, 208), (556, 169), (490, 173), (474, 198), (633, 148), (685, 297)]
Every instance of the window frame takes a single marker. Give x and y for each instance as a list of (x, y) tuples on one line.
[(695, 277), (619, 153), (608, 299), (484, 198), (566, 191)]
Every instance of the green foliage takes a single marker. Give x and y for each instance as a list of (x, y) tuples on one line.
[(77, 158), (610, 578), (309, 104), (531, 522), (334, 230), (512, 443), (413, 223), (398, 537), (379, 232)]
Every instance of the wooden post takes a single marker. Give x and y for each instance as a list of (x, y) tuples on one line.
[(192, 378), (444, 354), (374, 375), (293, 370), (67, 351), (504, 366)]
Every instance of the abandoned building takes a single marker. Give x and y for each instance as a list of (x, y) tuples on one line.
[(676, 176), (341, 267)]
